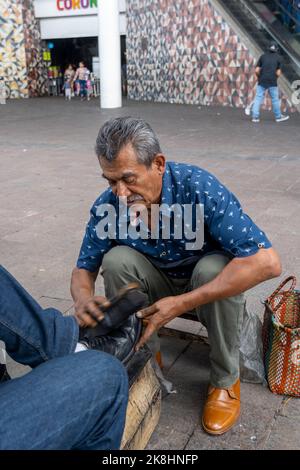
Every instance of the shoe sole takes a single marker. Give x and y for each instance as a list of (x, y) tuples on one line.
[(219, 433)]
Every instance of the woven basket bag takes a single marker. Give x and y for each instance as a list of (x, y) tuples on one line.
[(281, 339)]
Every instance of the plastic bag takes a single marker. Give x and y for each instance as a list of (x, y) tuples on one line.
[(154, 346), (251, 350)]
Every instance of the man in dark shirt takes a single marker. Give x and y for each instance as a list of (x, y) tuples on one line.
[(268, 70), (179, 269)]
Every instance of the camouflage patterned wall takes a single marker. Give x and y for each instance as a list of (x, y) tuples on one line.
[(36, 72), (183, 51), (12, 48), (20, 49)]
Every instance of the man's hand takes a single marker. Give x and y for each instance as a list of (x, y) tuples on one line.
[(88, 311), (159, 314)]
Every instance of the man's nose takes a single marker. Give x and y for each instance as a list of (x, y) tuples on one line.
[(122, 190)]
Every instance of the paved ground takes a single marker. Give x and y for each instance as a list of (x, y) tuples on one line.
[(49, 177)]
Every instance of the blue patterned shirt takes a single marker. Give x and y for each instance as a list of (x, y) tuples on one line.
[(227, 229)]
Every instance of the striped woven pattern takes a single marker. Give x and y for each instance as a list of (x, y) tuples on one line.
[(281, 340)]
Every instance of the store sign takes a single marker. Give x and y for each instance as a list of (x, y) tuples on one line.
[(61, 8), (63, 5), (61, 19)]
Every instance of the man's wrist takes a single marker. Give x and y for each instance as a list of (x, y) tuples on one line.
[(82, 298), (187, 302), (182, 303)]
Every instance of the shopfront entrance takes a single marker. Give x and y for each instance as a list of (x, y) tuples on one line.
[(69, 30), (72, 51)]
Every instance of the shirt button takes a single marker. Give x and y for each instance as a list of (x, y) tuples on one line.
[(260, 245), (163, 253)]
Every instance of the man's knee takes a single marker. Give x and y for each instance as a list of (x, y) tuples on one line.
[(208, 268), (103, 371), (117, 259)]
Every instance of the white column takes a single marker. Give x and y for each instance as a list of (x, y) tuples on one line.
[(109, 53)]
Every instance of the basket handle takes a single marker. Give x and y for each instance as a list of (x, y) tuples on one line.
[(279, 289)]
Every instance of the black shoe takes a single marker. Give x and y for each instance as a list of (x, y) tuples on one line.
[(4, 376), (120, 342), (137, 362), (120, 330)]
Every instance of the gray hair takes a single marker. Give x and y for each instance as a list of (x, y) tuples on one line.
[(117, 132)]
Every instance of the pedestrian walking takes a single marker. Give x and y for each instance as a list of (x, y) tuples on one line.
[(268, 70)]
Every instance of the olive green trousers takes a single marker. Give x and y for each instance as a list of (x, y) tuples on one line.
[(222, 319)]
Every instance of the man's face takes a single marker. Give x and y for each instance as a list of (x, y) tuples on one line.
[(129, 178)]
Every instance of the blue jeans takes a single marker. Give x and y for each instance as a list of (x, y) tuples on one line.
[(68, 401), (286, 11), (83, 88), (297, 19), (260, 94)]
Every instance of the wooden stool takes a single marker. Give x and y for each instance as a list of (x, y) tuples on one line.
[(144, 403)]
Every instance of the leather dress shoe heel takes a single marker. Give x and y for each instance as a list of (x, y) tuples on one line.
[(222, 409)]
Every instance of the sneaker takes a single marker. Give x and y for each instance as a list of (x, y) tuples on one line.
[(120, 342), (248, 110), (255, 120), (282, 118)]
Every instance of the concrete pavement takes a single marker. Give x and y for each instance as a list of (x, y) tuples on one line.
[(49, 177)]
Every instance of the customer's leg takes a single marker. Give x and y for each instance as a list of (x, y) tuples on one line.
[(274, 93), (122, 265), (32, 335), (260, 93), (75, 402), (223, 320)]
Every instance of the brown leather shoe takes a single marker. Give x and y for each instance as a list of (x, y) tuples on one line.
[(222, 409)]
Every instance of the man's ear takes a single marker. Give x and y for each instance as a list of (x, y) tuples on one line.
[(159, 163)]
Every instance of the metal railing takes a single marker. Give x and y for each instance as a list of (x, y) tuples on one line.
[(250, 8)]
